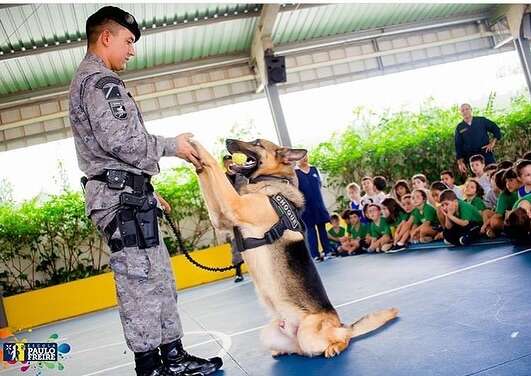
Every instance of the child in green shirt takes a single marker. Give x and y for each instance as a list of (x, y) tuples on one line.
[(403, 230), (379, 237), (508, 182), (335, 233), (518, 224), (354, 241), (462, 220), (424, 217), (473, 194)]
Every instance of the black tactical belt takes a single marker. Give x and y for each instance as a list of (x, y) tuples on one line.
[(118, 179)]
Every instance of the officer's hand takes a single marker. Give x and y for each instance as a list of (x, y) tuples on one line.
[(165, 206), (490, 146), (462, 167), (186, 151)]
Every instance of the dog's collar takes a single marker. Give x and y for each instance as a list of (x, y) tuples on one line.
[(260, 178)]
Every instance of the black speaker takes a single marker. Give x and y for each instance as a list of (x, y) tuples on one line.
[(276, 69)]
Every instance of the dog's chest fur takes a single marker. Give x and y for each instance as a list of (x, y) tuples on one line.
[(284, 273)]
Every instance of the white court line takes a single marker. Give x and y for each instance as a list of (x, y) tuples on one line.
[(183, 300), (352, 301), (225, 340), (433, 278)]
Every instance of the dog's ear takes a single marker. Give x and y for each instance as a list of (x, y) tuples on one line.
[(291, 155)]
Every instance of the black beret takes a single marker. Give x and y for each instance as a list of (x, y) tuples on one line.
[(116, 14)]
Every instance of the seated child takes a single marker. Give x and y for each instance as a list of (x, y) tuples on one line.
[(523, 170), (371, 196), (425, 223), (354, 194), (396, 216), (404, 229), (354, 241), (490, 169), (473, 194), (435, 191), (447, 177), (491, 196), (380, 184), (518, 224), (335, 233), (462, 220), (419, 181), (477, 165), (400, 188), (379, 237), (508, 183)]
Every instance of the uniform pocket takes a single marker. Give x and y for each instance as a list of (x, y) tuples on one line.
[(132, 262), (137, 262)]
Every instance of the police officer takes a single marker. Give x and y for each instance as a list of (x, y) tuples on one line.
[(472, 137), (119, 157)]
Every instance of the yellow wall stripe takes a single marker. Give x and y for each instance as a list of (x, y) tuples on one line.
[(71, 299)]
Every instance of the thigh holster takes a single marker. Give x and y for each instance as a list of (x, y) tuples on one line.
[(137, 222)]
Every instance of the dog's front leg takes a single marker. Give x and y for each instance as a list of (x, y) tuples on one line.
[(220, 196), (228, 207)]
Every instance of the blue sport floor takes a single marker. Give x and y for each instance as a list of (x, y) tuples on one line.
[(464, 311)]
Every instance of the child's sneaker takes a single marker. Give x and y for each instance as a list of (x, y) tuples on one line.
[(386, 247), (397, 248), (465, 240)]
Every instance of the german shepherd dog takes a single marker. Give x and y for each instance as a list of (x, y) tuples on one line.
[(303, 321)]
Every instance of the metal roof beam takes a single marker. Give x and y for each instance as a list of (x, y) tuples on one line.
[(128, 77), (148, 30), (357, 36), (262, 42)]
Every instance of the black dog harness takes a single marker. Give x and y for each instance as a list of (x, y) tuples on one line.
[(289, 219)]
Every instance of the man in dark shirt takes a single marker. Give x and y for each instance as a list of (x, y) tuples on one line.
[(472, 137)]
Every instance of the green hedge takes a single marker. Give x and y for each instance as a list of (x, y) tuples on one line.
[(43, 244), (400, 145)]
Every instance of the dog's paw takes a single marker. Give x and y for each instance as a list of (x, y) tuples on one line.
[(276, 354), (335, 349)]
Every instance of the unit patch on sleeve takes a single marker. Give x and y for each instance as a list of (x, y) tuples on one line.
[(118, 109)]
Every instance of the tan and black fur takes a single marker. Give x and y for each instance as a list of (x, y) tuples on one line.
[(303, 321)]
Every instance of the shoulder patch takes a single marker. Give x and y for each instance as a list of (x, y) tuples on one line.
[(118, 110), (108, 80), (109, 86)]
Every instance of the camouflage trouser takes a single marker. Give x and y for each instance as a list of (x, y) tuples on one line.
[(145, 288)]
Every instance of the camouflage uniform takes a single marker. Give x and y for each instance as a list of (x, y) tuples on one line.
[(109, 133)]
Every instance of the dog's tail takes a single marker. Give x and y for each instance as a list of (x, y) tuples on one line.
[(372, 321)]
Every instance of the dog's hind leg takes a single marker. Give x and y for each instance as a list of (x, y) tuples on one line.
[(323, 334), (279, 339)]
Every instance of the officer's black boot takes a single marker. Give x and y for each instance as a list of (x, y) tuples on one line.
[(148, 363), (177, 362)]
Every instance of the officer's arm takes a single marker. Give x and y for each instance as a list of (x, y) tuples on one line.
[(493, 128), (458, 144), (116, 125)]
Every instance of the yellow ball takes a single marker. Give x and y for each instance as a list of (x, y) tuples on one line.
[(239, 158)]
